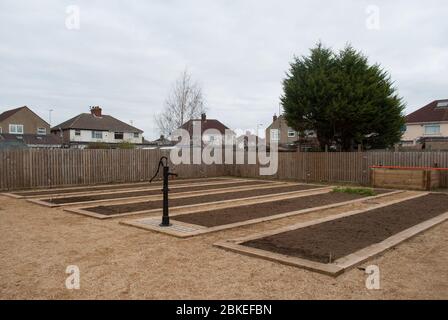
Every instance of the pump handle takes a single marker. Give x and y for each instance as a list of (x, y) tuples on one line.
[(159, 165)]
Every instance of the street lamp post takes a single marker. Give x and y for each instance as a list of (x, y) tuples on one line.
[(49, 116)]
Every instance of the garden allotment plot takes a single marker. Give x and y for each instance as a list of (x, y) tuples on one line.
[(334, 244), (152, 191), (213, 198), (104, 188), (205, 220)]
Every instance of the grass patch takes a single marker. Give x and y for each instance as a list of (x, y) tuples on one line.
[(360, 191)]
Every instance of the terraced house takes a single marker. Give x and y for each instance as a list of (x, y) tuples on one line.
[(96, 127)]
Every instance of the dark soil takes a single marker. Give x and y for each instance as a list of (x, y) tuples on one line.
[(105, 188), (344, 236), (155, 204), (237, 214), (113, 196)]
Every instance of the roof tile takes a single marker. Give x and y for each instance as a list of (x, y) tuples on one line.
[(429, 113)]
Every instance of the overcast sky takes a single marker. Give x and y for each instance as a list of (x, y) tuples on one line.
[(126, 54)]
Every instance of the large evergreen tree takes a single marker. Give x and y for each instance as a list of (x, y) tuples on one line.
[(343, 99)]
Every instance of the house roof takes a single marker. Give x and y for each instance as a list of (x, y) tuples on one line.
[(8, 113), (29, 139), (429, 113), (205, 125), (88, 121), (5, 115)]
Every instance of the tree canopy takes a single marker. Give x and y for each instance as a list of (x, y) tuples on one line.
[(343, 99), (184, 102)]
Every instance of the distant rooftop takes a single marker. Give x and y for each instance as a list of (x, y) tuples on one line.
[(95, 120), (435, 111)]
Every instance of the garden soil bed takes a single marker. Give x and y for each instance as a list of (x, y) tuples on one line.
[(101, 188), (157, 204), (343, 236), (225, 216), (143, 193)]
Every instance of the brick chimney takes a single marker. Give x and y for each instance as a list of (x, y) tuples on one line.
[(95, 111), (274, 118), (203, 117)]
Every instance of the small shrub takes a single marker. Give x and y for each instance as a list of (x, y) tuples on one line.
[(126, 145), (97, 145), (360, 191)]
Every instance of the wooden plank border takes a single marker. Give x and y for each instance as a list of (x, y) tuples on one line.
[(342, 264), (41, 201), (84, 189), (203, 230), (175, 211)]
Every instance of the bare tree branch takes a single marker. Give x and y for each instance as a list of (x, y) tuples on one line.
[(184, 102)]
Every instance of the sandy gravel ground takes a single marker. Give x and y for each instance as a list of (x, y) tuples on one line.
[(122, 262)]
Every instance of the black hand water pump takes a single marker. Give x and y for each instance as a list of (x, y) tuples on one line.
[(163, 162)]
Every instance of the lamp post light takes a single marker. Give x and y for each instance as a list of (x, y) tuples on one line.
[(49, 116), (258, 125)]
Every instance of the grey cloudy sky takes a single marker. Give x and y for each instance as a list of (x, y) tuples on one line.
[(126, 54)]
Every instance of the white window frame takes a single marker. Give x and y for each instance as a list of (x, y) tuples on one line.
[(136, 134), (437, 132), (115, 135), (97, 134), (291, 133), (77, 132), (442, 104), (43, 131), (275, 135), (16, 126)]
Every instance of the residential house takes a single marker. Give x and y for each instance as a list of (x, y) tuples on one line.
[(212, 130), (287, 137), (23, 121), (249, 141), (96, 127), (21, 128), (25, 141), (427, 128), (163, 142)]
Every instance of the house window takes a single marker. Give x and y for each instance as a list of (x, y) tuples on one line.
[(42, 131), (432, 129), (16, 128), (118, 136), (135, 134), (291, 134), (275, 135), (442, 104), (403, 128), (97, 134), (77, 132)]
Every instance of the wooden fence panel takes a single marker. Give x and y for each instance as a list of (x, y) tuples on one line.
[(34, 168)]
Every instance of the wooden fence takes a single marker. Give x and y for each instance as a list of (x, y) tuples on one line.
[(344, 167), (35, 168)]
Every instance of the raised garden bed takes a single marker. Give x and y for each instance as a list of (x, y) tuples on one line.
[(57, 191), (226, 216), (157, 204), (329, 241), (142, 193)]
